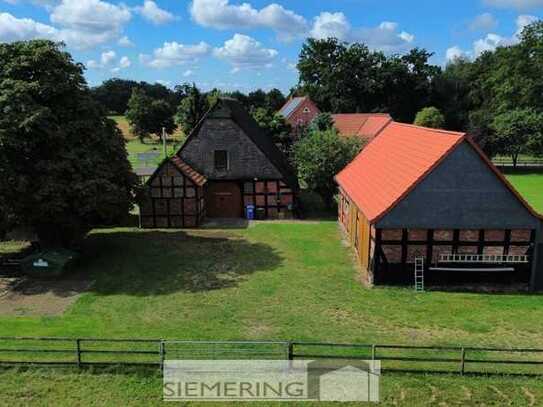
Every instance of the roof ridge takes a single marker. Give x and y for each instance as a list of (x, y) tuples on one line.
[(429, 129)]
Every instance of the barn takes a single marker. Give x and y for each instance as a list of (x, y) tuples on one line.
[(422, 206), (226, 164)]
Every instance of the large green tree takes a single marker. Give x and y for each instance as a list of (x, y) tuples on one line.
[(191, 109), (344, 78), (518, 131), (147, 115), (319, 156), (63, 164)]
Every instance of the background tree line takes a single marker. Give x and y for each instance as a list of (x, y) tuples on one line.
[(497, 97)]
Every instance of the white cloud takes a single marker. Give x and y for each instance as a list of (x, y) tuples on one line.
[(125, 42), (164, 83), (18, 29), (173, 53), (151, 12), (384, 37), (328, 25), (220, 14), (92, 64), (124, 62), (524, 20), (483, 22), (187, 73), (456, 52), (515, 4), (88, 23), (244, 52), (492, 40), (490, 43), (107, 57)]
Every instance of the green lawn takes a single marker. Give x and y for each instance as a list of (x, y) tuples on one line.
[(69, 388), (530, 185), (271, 281)]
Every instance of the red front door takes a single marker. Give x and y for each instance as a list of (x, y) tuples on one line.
[(223, 200)]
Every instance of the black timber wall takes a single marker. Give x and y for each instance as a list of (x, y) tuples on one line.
[(461, 193)]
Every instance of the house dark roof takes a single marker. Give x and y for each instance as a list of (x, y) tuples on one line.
[(363, 125), (259, 137), (290, 106), (398, 159)]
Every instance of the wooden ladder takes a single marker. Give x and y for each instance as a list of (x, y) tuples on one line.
[(419, 274)]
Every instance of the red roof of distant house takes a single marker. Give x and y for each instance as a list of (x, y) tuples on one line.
[(364, 125), (395, 161)]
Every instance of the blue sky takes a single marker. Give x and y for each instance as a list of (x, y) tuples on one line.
[(232, 44)]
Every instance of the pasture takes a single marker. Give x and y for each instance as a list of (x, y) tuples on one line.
[(530, 185), (292, 280)]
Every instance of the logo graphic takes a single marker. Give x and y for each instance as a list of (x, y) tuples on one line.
[(271, 380)]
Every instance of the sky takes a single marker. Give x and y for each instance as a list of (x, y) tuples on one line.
[(231, 44)]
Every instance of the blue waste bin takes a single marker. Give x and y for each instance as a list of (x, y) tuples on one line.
[(250, 212)]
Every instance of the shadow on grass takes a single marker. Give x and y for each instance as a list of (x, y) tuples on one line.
[(149, 263)]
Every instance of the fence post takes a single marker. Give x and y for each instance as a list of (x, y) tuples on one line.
[(78, 352), (373, 353), (462, 361), (290, 351), (162, 354)]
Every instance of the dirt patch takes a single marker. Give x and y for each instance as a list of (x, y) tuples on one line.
[(24, 296)]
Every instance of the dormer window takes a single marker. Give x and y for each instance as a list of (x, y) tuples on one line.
[(221, 160)]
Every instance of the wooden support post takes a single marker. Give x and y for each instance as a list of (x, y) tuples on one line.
[(162, 354), (290, 351), (373, 352), (462, 361), (78, 352)]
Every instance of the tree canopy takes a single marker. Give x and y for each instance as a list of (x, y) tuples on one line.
[(518, 131), (348, 78), (430, 117), (147, 115), (319, 156), (191, 109), (63, 164)]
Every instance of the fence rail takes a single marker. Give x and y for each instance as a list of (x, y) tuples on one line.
[(521, 163), (81, 352)]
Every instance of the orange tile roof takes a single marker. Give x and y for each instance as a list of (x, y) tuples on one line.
[(393, 163), (188, 171), (364, 125), (390, 166)]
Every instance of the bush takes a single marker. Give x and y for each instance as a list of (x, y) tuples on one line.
[(430, 117)]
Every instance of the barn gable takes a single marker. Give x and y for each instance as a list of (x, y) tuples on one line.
[(251, 153), (462, 191)]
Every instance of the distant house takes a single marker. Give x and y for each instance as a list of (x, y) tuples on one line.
[(415, 192), (363, 125), (299, 112), (226, 163)]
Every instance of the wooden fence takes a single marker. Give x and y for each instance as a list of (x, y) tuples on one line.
[(81, 352), (507, 163)]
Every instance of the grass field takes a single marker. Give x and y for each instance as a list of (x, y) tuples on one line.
[(70, 388), (134, 146), (270, 281), (530, 185), (280, 281)]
